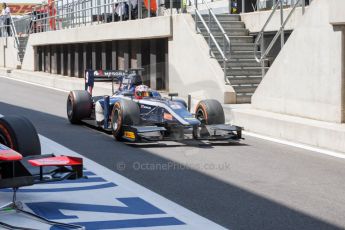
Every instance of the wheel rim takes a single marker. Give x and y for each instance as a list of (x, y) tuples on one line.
[(69, 107), (200, 115), (3, 140), (116, 120)]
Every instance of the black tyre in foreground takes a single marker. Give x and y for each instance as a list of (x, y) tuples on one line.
[(125, 112), (210, 112), (79, 106), (19, 134)]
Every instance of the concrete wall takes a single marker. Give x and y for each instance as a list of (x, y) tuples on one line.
[(256, 20), (157, 27), (307, 78), (336, 16), (191, 70), (8, 53)]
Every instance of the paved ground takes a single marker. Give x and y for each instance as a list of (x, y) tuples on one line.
[(253, 185)]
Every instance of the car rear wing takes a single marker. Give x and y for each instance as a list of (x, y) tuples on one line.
[(113, 76)]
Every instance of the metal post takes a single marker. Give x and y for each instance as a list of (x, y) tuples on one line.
[(112, 11), (140, 9), (225, 70), (130, 9), (110, 8), (119, 4), (196, 23), (79, 13), (209, 26), (224, 46), (75, 22), (149, 9), (181, 5), (262, 49), (62, 15), (91, 7), (243, 6), (171, 2), (72, 14), (282, 35), (98, 10), (67, 15), (303, 6), (84, 13), (105, 17)]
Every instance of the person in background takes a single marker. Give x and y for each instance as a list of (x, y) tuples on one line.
[(6, 18), (134, 9)]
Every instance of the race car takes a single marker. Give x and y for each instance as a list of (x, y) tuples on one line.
[(21, 164), (136, 113)]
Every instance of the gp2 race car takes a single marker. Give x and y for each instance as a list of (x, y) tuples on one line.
[(21, 164), (136, 113)]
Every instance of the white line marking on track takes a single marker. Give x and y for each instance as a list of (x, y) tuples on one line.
[(280, 141), (297, 145), (35, 84), (192, 220)]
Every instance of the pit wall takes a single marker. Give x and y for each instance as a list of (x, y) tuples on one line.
[(190, 70), (302, 97), (127, 30), (306, 79), (8, 53)]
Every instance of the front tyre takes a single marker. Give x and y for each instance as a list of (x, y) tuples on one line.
[(124, 113), (79, 106), (210, 112), (19, 134)]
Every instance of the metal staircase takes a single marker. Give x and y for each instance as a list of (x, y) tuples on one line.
[(243, 72), (22, 42)]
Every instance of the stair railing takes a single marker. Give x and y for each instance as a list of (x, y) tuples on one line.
[(225, 52), (14, 31), (23, 26), (260, 40)]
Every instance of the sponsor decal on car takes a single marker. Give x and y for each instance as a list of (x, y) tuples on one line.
[(145, 107), (176, 106), (189, 118), (130, 135)]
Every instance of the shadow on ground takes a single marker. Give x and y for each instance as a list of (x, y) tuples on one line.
[(221, 202)]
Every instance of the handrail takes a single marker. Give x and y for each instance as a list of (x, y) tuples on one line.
[(225, 53), (211, 13), (12, 27), (14, 31), (211, 35), (259, 41)]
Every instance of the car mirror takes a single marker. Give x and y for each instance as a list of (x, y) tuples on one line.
[(128, 94), (171, 95)]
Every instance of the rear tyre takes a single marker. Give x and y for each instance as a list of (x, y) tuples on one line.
[(79, 106), (19, 134), (125, 112), (210, 112)]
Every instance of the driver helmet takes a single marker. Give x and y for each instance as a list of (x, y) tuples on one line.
[(141, 91)]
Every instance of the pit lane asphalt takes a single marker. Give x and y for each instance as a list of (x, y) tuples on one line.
[(257, 184)]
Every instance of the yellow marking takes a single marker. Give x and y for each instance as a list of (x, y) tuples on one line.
[(129, 135)]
